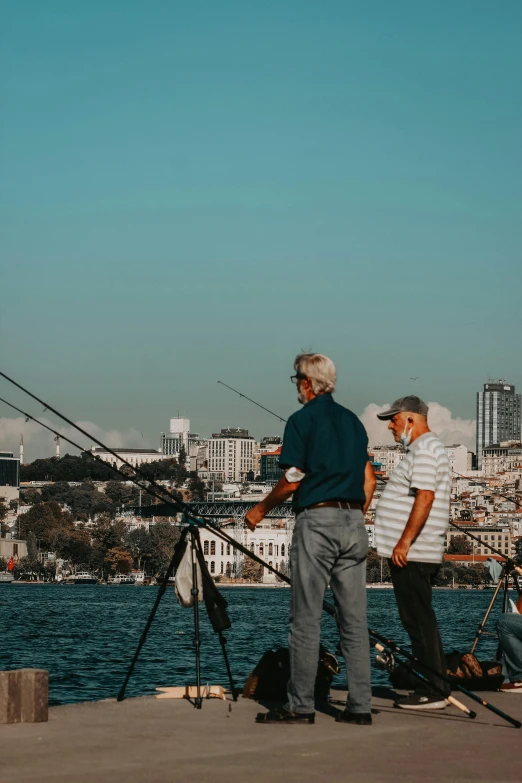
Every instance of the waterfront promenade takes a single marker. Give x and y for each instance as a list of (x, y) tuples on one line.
[(156, 741)]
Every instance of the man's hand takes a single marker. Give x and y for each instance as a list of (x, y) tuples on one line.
[(418, 516), (254, 517), (400, 554), (281, 492)]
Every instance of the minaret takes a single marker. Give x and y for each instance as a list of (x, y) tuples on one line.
[(21, 449), (57, 441)]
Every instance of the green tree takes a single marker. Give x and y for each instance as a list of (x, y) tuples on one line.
[(197, 488), (139, 544), (164, 538), (3, 564), (474, 574), (449, 571), (30, 496), (459, 545), (76, 547), (67, 468), (3, 515), (375, 566), (252, 571), (121, 494), (32, 570), (283, 569), (47, 521), (182, 457), (108, 533), (32, 548), (119, 560)]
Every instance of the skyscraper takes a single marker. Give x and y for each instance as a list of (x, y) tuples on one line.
[(498, 415)]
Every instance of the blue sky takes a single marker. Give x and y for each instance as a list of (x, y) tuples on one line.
[(195, 191)]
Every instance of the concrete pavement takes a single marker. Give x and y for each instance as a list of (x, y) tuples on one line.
[(156, 741)]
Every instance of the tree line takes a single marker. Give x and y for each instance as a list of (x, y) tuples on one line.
[(105, 546), (85, 467)]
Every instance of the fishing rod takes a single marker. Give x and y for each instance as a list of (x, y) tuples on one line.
[(396, 649), (253, 401), (189, 517), (512, 563)]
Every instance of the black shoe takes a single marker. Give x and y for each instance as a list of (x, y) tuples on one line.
[(360, 718), (420, 701), (282, 715)]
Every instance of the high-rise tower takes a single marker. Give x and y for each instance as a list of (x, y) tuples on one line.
[(498, 415)]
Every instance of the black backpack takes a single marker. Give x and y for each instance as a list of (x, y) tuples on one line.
[(269, 680)]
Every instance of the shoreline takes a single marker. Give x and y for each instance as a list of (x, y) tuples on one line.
[(256, 585)]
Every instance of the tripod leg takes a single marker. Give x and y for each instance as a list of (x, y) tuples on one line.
[(195, 594), (223, 643), (488, 612), (506, 596), (163, 587)]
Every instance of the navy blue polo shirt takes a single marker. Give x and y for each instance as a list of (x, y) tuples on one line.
[(328, 443)]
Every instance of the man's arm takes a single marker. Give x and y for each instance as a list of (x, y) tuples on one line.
[(370, 482), (281, 492), (417, 519)]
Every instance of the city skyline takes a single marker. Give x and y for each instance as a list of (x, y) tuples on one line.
[(37, 441)]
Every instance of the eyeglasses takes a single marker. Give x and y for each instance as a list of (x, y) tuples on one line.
[(296, 378)]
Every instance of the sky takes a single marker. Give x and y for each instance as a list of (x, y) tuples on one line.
[(198, 191)]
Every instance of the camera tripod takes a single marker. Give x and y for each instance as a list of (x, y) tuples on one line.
[(214, 602), (508, 572)]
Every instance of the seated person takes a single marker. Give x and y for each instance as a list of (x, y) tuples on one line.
[(509, 629)]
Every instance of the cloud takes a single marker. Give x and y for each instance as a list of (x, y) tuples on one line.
[(39, 442), (451, 430)]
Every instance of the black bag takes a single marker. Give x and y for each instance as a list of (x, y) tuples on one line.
[(269, 680)]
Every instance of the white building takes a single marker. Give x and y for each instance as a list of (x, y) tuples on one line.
[(498, 536), (135, 457), (177, 437), (501, 458), (460, 459), (231, 455), (268, 542), (388, 456)]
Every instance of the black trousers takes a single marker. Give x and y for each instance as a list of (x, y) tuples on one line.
[(413, 592)]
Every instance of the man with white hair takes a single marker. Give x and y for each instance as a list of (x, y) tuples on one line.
[(411, 520), (327, 470)]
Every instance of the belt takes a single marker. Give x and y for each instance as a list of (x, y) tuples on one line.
[(347, 504)]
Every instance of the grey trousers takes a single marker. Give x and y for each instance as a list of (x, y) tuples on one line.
[(329, 546), (509, 629)]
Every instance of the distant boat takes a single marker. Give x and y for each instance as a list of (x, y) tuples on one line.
[(6, 578), (85, 578), (121, 579)]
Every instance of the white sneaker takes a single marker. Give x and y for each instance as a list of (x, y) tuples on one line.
[(416, 701)]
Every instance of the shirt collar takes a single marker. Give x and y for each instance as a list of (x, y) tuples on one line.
[(417, 441), (321, 398)]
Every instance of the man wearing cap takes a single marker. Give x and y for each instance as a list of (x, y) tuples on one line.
[(411, 520)]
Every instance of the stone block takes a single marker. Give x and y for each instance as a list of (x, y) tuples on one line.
[(24, 696)]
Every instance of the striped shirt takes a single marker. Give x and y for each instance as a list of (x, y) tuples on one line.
[(425, 466)]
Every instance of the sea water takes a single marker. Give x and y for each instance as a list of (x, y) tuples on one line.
[(85, 636)]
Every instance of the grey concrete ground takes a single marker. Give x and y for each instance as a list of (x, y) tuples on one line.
[(155, 741)]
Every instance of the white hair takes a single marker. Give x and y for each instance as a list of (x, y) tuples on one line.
[(319, 369)]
